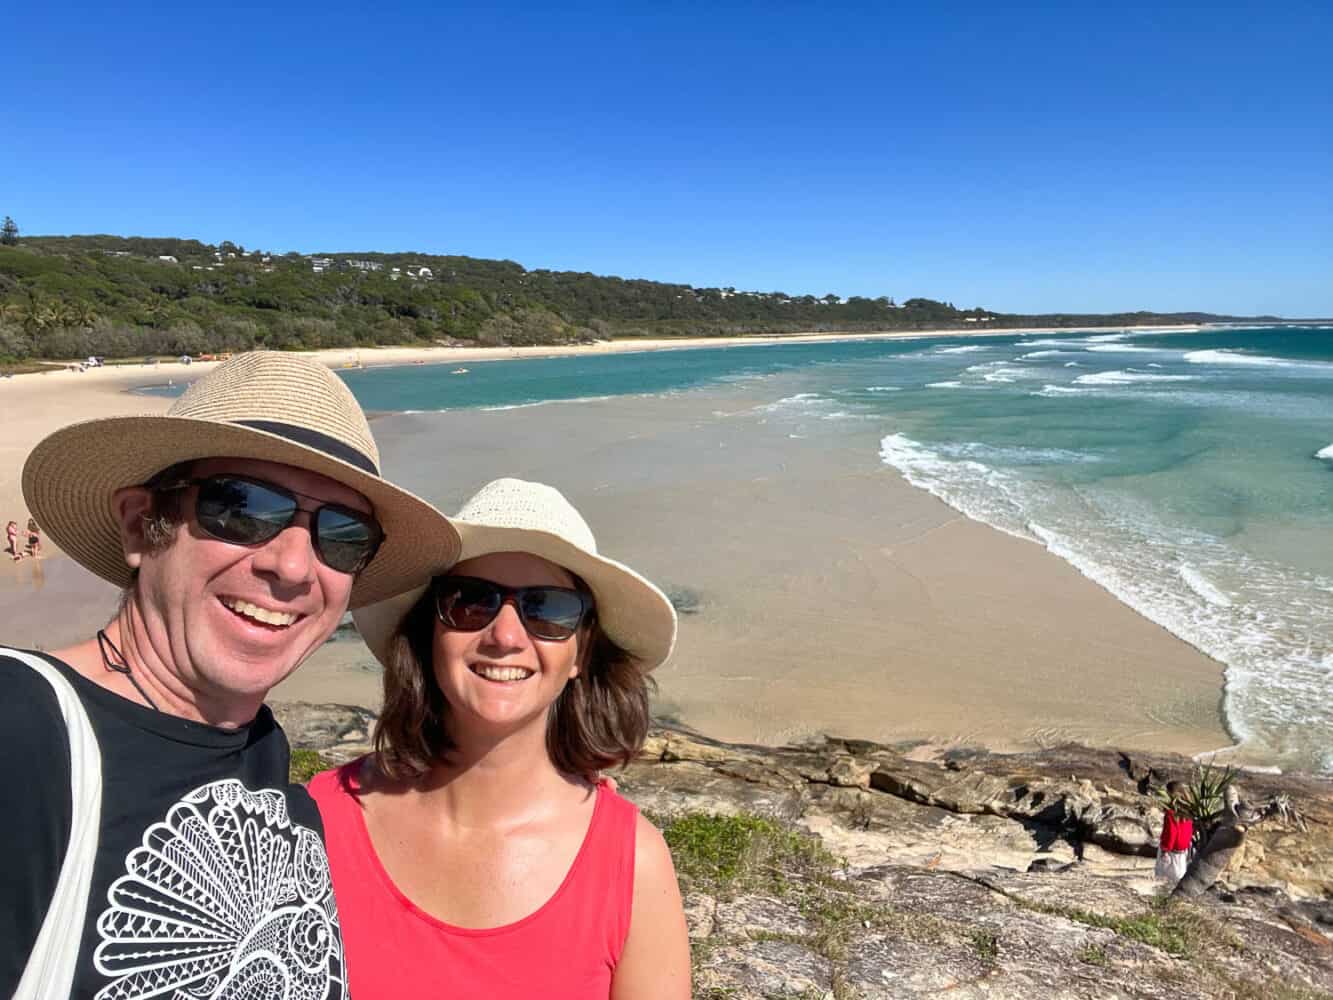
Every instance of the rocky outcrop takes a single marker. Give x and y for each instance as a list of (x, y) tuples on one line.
[(974, 874)]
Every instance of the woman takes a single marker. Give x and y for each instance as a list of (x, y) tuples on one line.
[(1177, 834), (476, 853), (34, 538)]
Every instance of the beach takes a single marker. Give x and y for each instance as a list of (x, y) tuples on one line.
[(35, 403), (820, 592)]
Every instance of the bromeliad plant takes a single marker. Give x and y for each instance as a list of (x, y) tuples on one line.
[(1202, 799)]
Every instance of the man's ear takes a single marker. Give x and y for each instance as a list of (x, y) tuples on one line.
[(132, 506)]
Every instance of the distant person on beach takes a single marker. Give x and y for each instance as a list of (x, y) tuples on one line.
[(34, 538), (1177, 834), (476, 852), (156, 846), (12, 540)]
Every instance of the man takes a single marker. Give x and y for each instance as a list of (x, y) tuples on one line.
[(155, 848)]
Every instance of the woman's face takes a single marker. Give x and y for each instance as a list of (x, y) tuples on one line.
[(500, 677)]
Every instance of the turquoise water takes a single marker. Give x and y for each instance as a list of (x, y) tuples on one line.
[(1189, 474)]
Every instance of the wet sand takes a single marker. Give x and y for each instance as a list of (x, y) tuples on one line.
[(827, 595), (824, 593)]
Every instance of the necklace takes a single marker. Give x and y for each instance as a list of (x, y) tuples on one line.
[(122, 667)]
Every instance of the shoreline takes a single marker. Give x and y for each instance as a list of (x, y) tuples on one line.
[(33, 409), (351, 357)]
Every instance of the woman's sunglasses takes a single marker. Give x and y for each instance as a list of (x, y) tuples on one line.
[(469, 604), (246, 511)]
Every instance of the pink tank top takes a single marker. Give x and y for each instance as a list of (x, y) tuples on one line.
[(566, 950)]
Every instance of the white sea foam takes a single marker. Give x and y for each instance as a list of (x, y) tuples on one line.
[(1202, 586), (1001, 371), (1223, 357), (1038, 354), (944, 385), (1060, 390), (528, 406), (884, 388), (1072, 364), (1009, 375), (1122, 349), (1269, 625), (956, 482), (967, 349), (1015, 454), (1129, 377), (800, 402), (1325, 453), (1105, 338)]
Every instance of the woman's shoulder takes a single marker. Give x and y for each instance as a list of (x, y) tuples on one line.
[(337, 782), (652, 858)]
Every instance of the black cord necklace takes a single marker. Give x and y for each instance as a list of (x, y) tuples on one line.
[(123, 667)]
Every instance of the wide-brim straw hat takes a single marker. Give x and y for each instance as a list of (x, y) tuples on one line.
[(260, 405), (511, 515)]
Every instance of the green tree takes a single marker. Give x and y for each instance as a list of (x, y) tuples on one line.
[(9, 232)]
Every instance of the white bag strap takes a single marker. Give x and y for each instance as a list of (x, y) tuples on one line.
[(49, 974)]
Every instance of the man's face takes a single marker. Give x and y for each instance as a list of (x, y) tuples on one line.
[(201, 597)]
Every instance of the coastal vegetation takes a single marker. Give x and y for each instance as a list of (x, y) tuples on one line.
[(64, 297)]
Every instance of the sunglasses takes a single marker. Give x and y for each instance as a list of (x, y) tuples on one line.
[(469, 604), (251, 512)]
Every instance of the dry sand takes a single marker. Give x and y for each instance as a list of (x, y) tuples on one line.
[(829, 595)]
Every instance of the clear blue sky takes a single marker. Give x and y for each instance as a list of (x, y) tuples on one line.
[(1070, 156)]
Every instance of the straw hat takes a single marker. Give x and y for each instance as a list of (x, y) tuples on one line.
[(510, 515), (262, 405)]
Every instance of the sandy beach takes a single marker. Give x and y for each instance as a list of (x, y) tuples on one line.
[(35, 403), (823, 593)]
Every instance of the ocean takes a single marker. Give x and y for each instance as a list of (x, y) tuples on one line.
[(1189, 474)]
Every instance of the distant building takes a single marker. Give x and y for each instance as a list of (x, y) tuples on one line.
[(365, 265), (166, 258)]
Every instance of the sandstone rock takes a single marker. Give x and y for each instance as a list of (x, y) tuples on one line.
[(338, 732), (976, 875), (757, 916), (762, 969)]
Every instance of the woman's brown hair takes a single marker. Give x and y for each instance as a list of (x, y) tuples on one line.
[(599, 720)]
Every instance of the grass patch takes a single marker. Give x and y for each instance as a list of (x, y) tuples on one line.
[(1093, 954), (1173, 932), (305, 765), (1175, 928), (986, 943), (724, 855)]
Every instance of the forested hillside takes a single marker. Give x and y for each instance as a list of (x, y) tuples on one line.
[(74, 296)]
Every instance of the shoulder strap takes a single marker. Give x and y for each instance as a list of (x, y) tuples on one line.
[(49, 974)]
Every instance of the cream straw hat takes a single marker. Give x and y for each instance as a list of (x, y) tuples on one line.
[(510, 515), (262, 405)]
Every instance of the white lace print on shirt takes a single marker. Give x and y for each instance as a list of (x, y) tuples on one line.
[(227, 899)]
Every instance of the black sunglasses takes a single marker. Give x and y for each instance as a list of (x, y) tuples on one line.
[(246, 511), (469, 604)]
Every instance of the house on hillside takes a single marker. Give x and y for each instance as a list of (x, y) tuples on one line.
[(166, 258), (365, 265)]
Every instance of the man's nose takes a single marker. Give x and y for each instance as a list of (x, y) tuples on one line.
[(290, 556)]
